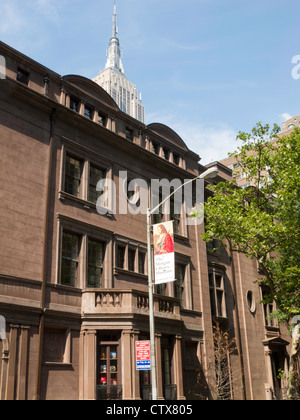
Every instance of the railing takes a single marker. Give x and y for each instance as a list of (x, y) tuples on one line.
[(146, 392), (104, 301), (280, 394), (109, 392), (170, 392)]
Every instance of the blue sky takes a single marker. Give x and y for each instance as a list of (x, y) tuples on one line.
[(206, 68)]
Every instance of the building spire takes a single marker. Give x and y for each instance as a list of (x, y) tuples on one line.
[(114, 51), (113, 80), (115, 28)]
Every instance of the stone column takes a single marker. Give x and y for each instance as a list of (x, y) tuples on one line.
[(22, 368), (269, 385), (127, 365), (81, 107), (11, 374), (178, 368), (81, 364), (90, 374), (160, 391), (4, 369)]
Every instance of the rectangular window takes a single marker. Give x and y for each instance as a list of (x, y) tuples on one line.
[(73, 173), (268, 307), (88, 112), (142, 259), (212, 294), (121, 256), (179, 282), (176, 159), (129, 134), (158, 215), (74, 104), (217, 294), (213, 246), (70, 254), (161, 289), (95, 262), (220, 302), (96, 175), (175, 215), (131, 259), (101, 119), (23, 76), (155, 148), (166, 154)]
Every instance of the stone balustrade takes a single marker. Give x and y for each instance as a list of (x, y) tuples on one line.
[(113, 301)]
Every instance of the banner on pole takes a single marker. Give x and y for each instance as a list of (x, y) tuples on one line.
[(164, 256)]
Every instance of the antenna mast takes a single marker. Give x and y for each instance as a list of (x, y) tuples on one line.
[(115, 28)]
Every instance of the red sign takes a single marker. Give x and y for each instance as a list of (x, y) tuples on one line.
[(143, 355)]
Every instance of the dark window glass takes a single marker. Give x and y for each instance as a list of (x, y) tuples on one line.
[(70, 252), (95, 261), (73, 175)]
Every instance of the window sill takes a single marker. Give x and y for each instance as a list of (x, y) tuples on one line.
[(181, 238), (57, 364), (222, 320), (118, 270)]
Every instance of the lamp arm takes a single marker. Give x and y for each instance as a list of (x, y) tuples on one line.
[(174, 192)]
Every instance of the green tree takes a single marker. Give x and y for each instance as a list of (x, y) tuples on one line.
[(263, 220)]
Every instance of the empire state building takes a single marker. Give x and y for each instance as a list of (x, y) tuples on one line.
[(113, 80)]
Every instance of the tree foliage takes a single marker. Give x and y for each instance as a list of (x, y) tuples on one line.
[(263, 220)]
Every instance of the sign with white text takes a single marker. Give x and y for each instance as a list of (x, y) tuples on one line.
[(143, 355)]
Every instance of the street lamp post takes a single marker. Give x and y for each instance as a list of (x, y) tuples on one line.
[(209, 174)]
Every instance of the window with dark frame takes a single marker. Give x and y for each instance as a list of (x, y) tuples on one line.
[(131, 259), (157, 216), (176, 159), (95, 264), (95, 176), (268, 306), (129, 134), (142, 259), (74, 104), (101, 119), (161, 289), (179, 282), (217, 294), (23, 76), (121, 256), (88, 112), (175, 214), (69, 262), (155, 148), (73, 173), (166, 153)]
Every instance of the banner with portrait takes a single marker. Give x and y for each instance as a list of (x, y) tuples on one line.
[(164, 256)]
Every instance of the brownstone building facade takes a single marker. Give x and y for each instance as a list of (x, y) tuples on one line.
[(73, 276)]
